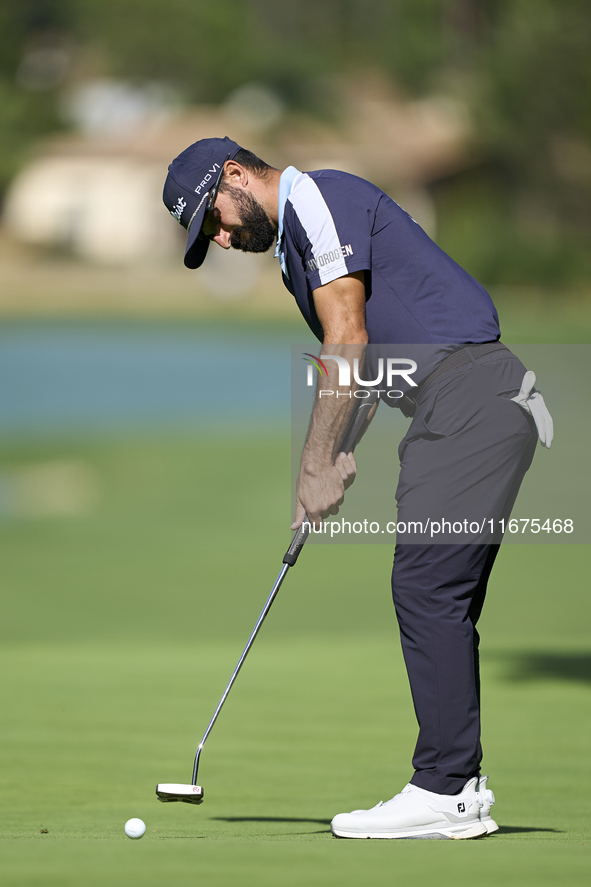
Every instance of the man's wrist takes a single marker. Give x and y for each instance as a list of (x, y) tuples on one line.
[(312, 466)]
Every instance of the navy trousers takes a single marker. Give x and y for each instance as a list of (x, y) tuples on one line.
[(464, 456)]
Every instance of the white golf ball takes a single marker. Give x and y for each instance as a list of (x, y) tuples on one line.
[(135, 828)]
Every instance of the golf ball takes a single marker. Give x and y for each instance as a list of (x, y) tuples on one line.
[(135, 828)]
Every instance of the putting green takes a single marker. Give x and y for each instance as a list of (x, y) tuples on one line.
[(122, 626)]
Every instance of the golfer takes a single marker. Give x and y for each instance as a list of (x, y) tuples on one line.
[(365, 276)]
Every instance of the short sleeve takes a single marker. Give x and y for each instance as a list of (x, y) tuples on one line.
[(330, 220)]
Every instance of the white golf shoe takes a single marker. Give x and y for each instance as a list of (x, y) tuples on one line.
[(487, 799), (416, 813)]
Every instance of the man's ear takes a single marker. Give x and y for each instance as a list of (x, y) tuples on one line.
[(235, 175)]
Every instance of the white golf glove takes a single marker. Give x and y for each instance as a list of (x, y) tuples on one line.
[(533, 402)]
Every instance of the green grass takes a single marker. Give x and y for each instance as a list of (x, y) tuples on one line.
[(529, 315), (121, 628)]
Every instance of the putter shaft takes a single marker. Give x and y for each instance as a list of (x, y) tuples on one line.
[(289, 559), (249, 644)]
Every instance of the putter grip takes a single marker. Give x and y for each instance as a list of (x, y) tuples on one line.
[(347, 446)]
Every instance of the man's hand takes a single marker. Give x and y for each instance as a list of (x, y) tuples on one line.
[(325, 473), (321, 489)]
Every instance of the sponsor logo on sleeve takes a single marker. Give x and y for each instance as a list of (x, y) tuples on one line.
[(335, 255)]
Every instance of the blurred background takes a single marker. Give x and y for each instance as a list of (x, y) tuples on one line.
[(145, 484), (473, 114), (116, 363)]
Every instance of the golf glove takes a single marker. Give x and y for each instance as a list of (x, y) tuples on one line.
[(533, 402)]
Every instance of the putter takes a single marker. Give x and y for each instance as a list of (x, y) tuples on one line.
[(193, 793)]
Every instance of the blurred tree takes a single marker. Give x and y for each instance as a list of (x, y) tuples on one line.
[(525, 71), (33, 63), (523, 68), (535, 84)]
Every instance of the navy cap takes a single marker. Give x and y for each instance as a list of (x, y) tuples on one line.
[(191, 176)]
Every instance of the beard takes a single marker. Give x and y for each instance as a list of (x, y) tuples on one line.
[(256, 233)]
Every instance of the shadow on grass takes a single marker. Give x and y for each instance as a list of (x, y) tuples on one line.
[(269, 819), (539, 666), (503, 829), (524, 829)]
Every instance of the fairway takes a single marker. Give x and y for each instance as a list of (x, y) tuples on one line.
[(121, 628)]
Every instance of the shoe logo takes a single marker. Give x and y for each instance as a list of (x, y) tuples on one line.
[(461, 807)]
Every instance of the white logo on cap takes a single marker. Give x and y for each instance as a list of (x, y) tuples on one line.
[(210, 174), (177, 212)]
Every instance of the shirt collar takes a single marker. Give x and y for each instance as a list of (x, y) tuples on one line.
[(288, 177)]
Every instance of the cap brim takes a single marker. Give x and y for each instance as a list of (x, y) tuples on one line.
[(197, 246)]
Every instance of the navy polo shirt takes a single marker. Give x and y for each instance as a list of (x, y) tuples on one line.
[(332, 223)]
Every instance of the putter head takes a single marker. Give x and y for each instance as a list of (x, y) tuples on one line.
[(176, 791)]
